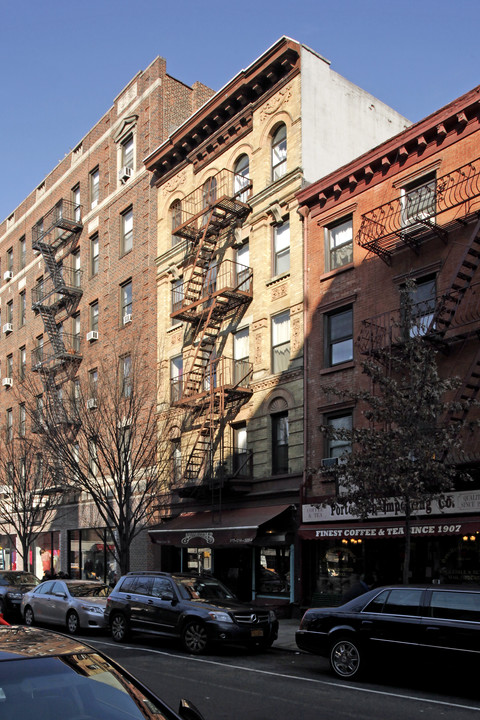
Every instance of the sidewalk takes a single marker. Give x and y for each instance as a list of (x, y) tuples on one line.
[(286, 635)]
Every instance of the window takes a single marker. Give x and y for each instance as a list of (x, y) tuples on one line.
[(240, 356), (209, 192), (403, 602), (242, 259), (242, 177), (10, 260), (22, 254), (176, 372), (339, 244), (418, 200), (94, 255), (451, 605), (239, 432), (22, 362), (279, 152), (9, 366), (9, 315), (94, 188), (94, 311), (76, 332), (92, 456), (177, 297), (176, 461), (38, 351), (93, 383), (76, 394), (336, 446), (77, 273), (127, 152), (126, 302), (339, 337), (127, 231), (9, 425), (280, 443), (281, 341), (126, 376), (176, 220), (422, 303), (22, 308), (22, 420), (76, 203), (281, 248)]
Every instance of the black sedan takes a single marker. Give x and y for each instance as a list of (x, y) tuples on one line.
[(413, 622), (47, 676)]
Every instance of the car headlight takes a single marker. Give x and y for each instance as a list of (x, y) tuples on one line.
[(220, 616), (271, 616), (93, 609), (14, 595)]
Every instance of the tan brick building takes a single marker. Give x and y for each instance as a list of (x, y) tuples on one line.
[(230, 298), (89, 231), (409, 208)]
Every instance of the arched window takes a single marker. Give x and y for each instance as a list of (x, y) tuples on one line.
[(176, 220), (242, 177), (279, 152), (209, 193)]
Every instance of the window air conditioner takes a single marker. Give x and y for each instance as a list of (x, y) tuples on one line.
[(92, 335), (7, 328), (7, 275), (125, 173), (332, 462), (91, 403), (127, 318), (7, 382)]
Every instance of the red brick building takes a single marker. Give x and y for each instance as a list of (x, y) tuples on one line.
[(409, 208), (90, 225)]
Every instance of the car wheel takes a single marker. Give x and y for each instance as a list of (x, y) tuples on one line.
[(73, 622), (28, 616), (119, 627), (345, 658), (194, 637)]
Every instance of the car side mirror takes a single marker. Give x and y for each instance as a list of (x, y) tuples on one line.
[(188, 711), (60, 595), (167, 595)]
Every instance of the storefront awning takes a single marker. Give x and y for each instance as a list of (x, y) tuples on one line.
[(230, 527), (393, 529)]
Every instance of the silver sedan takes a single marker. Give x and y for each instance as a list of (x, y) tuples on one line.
[(73, 603)]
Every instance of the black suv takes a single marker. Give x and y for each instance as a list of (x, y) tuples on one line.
[(198, 609), (429, 623), (13, 585)]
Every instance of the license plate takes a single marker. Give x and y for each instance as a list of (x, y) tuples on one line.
[(257, 633)]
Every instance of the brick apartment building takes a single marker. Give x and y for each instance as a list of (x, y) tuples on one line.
[(230, 271), (408, 208), (87, 235)]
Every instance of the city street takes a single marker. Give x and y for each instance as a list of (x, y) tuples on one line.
[(233, 684)]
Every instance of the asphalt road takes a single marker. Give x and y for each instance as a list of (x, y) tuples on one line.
[(280, 685)]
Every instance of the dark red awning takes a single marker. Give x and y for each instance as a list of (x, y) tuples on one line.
[(390, 529), (230, 527)]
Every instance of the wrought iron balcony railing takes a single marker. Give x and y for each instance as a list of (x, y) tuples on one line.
[(226, 192), (426, 318), (410, 216), (64, 217)]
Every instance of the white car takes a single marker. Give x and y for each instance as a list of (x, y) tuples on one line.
[(75, 604)]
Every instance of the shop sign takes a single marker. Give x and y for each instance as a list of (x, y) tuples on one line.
[(450, 503), (434, 528)]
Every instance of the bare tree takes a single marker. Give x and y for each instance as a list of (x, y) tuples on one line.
[(30, 498), (102, 430)]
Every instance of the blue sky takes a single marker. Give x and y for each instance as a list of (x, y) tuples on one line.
[(63, 62)]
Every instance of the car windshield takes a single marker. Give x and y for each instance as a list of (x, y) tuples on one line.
[(21, 578), (72, 686), (203, 589), (89, 590)]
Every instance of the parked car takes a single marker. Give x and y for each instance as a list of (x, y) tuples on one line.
[(198, 609), (76, 604), (13, 585), (46, 675), (414, 622)]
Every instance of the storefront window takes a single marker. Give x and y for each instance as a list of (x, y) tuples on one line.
[(91, 556), (273, 571), (8, 554), (45, 554), (199, 560)]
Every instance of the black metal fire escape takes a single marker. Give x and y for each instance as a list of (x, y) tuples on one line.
[(213, 387), (55, 298)]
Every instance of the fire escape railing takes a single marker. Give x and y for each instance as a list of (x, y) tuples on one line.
[(56, 299), (220, 375), (406, 219)]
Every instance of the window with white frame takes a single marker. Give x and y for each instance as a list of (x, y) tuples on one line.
[(281, 341), (339, 244), (126, 304), (176, 372), (242, 267), (92, 456), (127, 150), (419, 200), (127, 231), (77, 273), (281, 248), (242, 177), (94, 313), (126, 376), (339, 336), (94, 188), (94, 255), (93, 383), (241, 356), (76, 337), (10, 260), (279, 152), (22, 362), (76, 203), (22, 420)]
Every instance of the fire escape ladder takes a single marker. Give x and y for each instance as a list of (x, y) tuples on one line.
[(468, 391), (462, 279)]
